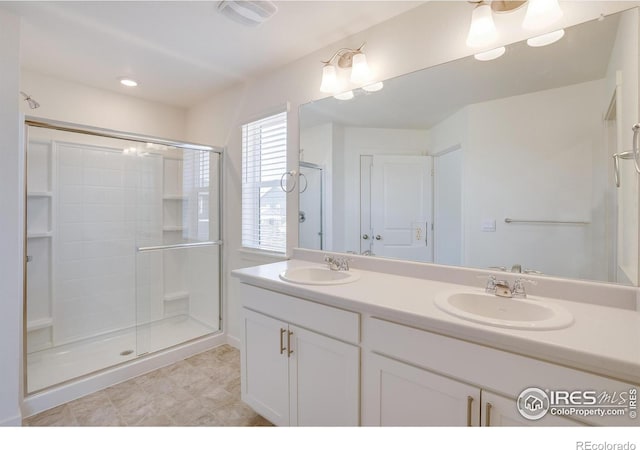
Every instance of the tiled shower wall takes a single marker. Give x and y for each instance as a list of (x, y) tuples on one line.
[(106, 203)]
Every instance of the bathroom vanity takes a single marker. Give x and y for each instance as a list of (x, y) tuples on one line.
[(377, 350)]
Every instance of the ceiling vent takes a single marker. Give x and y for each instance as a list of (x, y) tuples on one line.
[(250, 13)]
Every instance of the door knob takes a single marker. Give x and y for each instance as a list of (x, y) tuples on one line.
[(378, 237), (365, 236)]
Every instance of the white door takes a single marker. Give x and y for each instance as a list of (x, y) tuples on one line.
[(265, 367), (397, 394), (324, 380), (447, 207), (499, 411), (401, 207)]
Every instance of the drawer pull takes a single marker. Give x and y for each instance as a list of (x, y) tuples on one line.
[(289, 343), (282, 347), (469, 404), (487, 421)]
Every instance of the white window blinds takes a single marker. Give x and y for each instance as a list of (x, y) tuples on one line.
[(264, 203)]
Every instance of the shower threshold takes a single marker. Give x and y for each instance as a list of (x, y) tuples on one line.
[(56, 365)]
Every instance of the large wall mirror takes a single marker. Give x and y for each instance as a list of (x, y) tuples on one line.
[(499, 164)]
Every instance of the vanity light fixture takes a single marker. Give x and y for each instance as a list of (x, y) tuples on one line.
[(345, 58), (541, 15), (128, 82), (482, 31)]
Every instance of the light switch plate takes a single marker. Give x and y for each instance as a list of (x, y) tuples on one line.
[(488, 225)]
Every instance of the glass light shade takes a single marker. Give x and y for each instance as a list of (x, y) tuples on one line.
[(329, 79), (482, 31), (360, 69), (491, 54), (541, 14), (545, 39), (344, 95), (374, 87)]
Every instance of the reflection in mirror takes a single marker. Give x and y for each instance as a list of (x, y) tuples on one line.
[(503, 164)]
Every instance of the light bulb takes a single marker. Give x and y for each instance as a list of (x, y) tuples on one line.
[(329, 80), (491, 54), (482, 31), (545, 39), (541, 14), (360, 72)]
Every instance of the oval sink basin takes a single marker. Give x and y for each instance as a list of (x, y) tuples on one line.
[(318, 276), (532, 313)]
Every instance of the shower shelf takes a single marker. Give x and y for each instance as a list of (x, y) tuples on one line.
[(39, 324), (174, 296), (174, 197), (40, 194), (44, 234), (172, 228)]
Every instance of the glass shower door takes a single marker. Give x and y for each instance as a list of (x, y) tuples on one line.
[(123, 254), (178, 268)]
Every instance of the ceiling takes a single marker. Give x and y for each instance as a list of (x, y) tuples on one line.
[(180, 51), (424, 98)]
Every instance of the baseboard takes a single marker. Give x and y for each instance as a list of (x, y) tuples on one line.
[(233, 341), (15, 421)]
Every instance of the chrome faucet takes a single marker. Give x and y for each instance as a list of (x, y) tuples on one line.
[(338, 263), (516, 268), (501, 288)]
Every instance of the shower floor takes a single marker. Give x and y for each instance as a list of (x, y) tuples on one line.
[(58, 364)]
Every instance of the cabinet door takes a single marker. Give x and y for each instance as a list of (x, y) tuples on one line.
[(397, 394), (324, 376), (265, 373), (499, 411)]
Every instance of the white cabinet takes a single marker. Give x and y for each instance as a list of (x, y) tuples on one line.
[(292, 375), (398, 394), (265, 367), (500, 411)]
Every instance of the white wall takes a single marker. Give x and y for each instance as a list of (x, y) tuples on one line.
[(531, 157), (73, 102), (11, 253), (428, 35)]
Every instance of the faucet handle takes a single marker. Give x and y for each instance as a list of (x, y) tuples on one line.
[(500, 268), (518, 289), (490, 288)]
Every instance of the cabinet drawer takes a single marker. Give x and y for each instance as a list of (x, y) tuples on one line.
[(500, 371), (338, 323)]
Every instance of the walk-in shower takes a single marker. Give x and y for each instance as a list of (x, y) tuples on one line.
[(123, 248)]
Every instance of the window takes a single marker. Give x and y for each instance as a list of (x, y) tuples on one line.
[(264, 203)]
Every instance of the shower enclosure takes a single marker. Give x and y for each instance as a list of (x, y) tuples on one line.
[(123, 248)]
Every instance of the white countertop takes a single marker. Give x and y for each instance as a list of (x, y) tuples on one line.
[(602, 340)]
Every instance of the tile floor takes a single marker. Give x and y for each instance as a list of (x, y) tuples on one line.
[(203, 390)]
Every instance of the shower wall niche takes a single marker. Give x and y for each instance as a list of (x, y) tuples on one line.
[(123, 251)]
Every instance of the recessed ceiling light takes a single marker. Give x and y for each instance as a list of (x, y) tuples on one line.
[(128, 82)]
